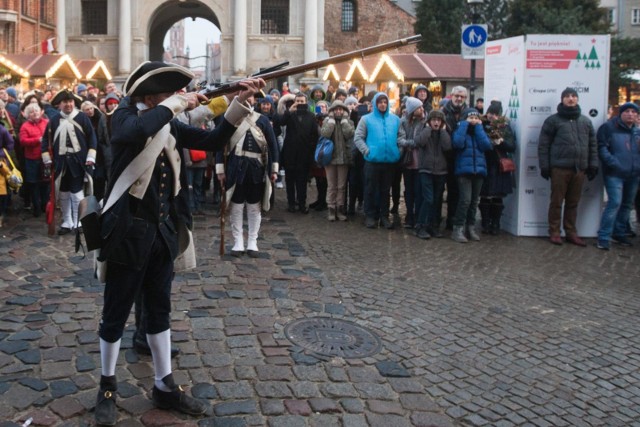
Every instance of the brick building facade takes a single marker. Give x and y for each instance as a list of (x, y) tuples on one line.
[(25, 24), (374, 22)]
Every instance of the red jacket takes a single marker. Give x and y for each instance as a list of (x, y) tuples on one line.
[(31, 138)]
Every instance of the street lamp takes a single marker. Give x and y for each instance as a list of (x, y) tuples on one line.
[(472, 84)]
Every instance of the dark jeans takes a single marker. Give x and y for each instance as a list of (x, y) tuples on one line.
[(195, 178), (469, 187), (432, 190), (377, 182), (396, 180), (566, 186), (296, 180), (615, 217), (452, 197), (412, 192)]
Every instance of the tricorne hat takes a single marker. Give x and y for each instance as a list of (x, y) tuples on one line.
[(153, 77), (64, 95)]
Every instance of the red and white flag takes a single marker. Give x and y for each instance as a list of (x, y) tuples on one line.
[(47, 46)]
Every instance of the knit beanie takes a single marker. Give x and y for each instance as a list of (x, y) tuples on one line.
[(435, 114), (628, 105), (568, 91), (350, 100), (412, 104), (495, 108), (469, 112), (12, 92)]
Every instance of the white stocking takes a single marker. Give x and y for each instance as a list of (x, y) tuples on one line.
[(65, 205), (235, 216), (254, 216), (160, 345), (109, 357), (75, 201)]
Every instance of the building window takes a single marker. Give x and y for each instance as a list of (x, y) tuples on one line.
[(94, 16), (349, 16), (46, 11), (274, 17), (26, 8), (635, 16), (612, 16)]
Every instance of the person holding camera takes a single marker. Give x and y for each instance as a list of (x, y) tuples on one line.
[(567, 153), (297, 150)]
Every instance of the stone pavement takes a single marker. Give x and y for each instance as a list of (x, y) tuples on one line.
[(508, 331)]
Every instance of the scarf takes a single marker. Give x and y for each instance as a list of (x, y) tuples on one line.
[(571, 113)]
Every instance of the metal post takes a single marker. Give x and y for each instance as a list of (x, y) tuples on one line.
[(472, 85)]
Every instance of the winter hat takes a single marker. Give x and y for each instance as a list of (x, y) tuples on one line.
[(275, 91), (469, 112), (412, 104), (12, 92), (81, 88), (352, 90), (337, 103), (112, 98), (568, 91), (436, 114), (340, 92), (495, 108), (350, 100), (628, 105), (266, 100), (419, 88)]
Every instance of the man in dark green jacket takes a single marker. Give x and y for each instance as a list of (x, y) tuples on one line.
[(567, 152)]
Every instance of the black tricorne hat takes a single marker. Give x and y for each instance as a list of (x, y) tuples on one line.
[(64, 95), (153, 77)]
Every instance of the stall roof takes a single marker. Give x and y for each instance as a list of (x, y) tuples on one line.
[(46, 66), (411, 67), (13, 67), (92, 69)]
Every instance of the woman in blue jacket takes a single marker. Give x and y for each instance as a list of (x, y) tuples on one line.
[(469, 142)]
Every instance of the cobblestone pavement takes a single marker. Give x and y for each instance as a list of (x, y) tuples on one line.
[(506, 331)]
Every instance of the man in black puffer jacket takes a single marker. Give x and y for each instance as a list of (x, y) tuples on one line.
[(567, 152)]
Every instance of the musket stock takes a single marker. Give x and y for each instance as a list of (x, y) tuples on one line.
[(297, 69)]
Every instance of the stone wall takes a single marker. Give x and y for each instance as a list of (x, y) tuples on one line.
[(378, 21)]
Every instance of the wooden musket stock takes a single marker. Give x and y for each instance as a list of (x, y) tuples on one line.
[(297, 69)]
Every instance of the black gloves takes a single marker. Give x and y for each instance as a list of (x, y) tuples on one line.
[(545, 173), (591, 172)]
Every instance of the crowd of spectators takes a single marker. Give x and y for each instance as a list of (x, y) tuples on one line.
[(449, 151)]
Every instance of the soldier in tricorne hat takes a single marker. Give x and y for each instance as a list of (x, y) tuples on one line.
[(146, 219), (73, 142)]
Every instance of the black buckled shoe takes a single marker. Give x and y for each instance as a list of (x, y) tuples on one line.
[(105, 412), (177, 399)]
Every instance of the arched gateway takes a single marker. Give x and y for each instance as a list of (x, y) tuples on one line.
[(254, 33)]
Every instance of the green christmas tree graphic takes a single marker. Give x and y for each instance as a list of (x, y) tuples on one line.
[(514, 101)]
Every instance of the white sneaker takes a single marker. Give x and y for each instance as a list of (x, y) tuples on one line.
[(279, 184)]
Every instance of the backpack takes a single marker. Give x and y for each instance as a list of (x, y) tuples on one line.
[(324, 151)]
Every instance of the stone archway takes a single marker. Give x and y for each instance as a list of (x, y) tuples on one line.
[(168, 14)]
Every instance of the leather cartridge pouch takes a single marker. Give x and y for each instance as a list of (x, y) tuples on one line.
[(89, 214)]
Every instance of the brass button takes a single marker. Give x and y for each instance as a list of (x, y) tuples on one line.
[(164, 175), (162, 185), (162, 164), (162, 154)]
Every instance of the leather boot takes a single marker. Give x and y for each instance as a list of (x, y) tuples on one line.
[(340, 213), (473, 234), (331, 216), (254, 217), (496, 213), (458, 234), (235, 217), (485, 213), (105, 412)]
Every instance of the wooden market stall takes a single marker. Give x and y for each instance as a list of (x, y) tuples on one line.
[(93, 71), (45, 71)]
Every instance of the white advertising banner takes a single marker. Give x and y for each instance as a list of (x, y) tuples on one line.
[(528, 74)]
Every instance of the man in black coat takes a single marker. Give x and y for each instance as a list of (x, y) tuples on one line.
[(297, 151), (146, 220)]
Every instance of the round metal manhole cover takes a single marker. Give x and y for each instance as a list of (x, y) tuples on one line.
[(333, 337)]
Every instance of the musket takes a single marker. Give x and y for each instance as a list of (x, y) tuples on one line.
[(297, 69), (223, 202), (51, 205)]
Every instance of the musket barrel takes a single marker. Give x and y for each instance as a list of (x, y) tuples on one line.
[(297, 69)]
